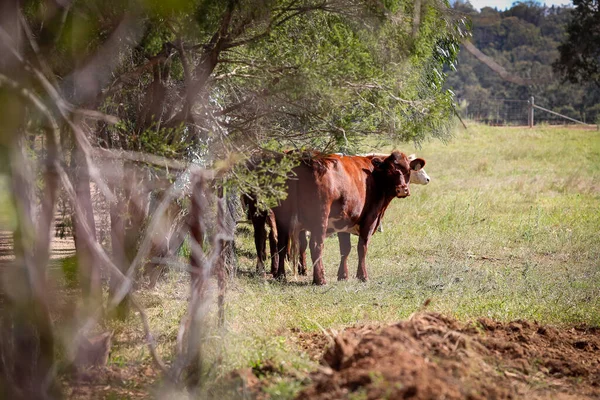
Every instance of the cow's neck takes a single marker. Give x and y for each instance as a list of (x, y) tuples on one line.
[(377, 199)]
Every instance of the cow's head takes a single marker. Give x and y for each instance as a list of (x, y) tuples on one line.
[(395, 171), (418, 177)]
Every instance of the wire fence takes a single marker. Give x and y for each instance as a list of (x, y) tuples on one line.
[(497, 111)]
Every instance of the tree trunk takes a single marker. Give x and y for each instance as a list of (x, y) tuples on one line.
[(117, 240), (127, 220), (89, 268), (155, 103), (31, 332), (198, 273), (166, 240)]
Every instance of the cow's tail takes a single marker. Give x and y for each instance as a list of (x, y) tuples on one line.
[(272, 224), (294, 229)]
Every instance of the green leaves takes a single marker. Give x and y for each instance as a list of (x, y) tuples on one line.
[(355, 73), (524, 40), (265, 179), (580, 53), (219, 76)]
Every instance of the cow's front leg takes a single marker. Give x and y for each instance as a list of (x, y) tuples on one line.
[(361, 273), (364, 237), (317, 239), (260, 240), (273, 250), (282, 245), (345, 247)]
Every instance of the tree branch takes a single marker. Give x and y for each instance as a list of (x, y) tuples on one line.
[(131, 76), (140, 157), (63, 109), (494, 66)]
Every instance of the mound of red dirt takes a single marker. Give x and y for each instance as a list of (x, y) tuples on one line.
[(430, 356)]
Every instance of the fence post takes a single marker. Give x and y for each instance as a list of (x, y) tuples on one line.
[(530, 115)]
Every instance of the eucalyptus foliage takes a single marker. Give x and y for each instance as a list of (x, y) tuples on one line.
[(579, 59), (234, 75)]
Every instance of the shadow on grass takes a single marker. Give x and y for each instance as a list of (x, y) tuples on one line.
[(252, 275)]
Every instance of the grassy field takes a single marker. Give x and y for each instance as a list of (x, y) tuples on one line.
[(509, 228)]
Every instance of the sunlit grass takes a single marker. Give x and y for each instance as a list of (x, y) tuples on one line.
[(508, 228)]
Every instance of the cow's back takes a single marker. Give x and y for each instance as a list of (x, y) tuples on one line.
[(338, 182)]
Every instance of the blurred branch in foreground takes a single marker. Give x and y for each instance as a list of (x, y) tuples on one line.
[(136, 119)]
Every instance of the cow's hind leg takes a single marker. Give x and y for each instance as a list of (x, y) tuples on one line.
[(273, 243), (364, 237), (282, 245), (363, 243), (260, 241), (274, 253), (302, 253), (345, 247)]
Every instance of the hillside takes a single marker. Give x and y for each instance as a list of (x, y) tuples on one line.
[(523, 40)]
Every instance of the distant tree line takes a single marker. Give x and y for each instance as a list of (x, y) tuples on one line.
[(525, 40)]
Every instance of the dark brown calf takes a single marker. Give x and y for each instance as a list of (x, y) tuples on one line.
[(259, 218)]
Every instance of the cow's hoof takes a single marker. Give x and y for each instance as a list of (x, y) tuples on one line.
[(362, 278), (280, 278), (319, 282), (342, 278)]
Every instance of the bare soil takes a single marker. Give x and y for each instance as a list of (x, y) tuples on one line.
[(430, 356)]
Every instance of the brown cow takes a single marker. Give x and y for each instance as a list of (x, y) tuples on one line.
[(340, 194), (419, 177)]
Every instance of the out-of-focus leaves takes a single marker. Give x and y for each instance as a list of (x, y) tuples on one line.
[(8, 220)]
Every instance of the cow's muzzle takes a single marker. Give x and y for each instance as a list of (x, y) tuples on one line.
[(402, 191)]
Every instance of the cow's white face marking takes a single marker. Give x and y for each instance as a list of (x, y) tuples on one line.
[(419, 177)]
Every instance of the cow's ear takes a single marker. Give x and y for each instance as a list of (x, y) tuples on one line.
[(377, 163), (417, 164)]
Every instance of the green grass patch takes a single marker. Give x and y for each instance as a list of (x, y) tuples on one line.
[(507, 229)]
